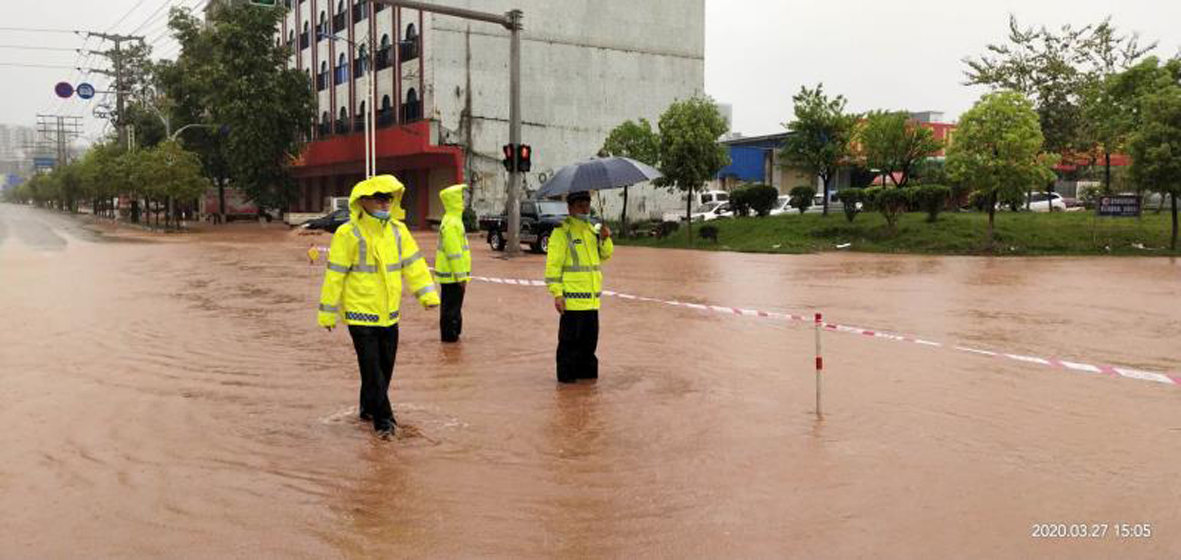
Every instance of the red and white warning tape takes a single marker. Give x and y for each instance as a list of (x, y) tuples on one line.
[(1114, 371)]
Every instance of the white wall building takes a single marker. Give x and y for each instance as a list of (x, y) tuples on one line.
[(442, 88)]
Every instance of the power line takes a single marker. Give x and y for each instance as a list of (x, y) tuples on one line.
[(129, 12), (32, 48), (36, 30), (51, 66), (152, 17)]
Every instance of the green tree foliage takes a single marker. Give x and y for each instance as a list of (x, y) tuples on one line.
[(998, 151), (231, 73), (690, 153), (850, 198), (1057, 69), (635, 140), (893, 143), (931, 199), (757, 199), (819, 136), (891, 202), (801, 197), (1156, 146)]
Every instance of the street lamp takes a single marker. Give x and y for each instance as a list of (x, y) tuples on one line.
[(369, 116), (172, 137)]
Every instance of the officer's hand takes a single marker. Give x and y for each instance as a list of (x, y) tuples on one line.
[(560, 304), (605, 232), (329, 329)]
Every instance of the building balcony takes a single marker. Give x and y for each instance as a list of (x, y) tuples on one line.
[(359, 124), (322, 81), (383, 58), (385, 118), (408, 50), (303, 41), (341, 75), (342, 127), (338, 22), (323, 129), (411, 111), (360, 11)]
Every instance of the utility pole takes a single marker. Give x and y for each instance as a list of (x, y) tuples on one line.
[(512, 22), (59, 130), (116, 55)]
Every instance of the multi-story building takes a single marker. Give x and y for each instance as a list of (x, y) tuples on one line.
[(442, 88)]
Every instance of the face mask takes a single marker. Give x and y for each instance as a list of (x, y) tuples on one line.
[(380, 214)]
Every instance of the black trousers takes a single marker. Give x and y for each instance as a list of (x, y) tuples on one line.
[(451, 311), (376, 347), (578, 337)]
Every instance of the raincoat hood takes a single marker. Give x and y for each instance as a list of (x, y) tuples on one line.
[(373, 185), (452, 198)]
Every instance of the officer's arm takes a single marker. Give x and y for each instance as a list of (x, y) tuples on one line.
[(341, 255), (554, 259), (415, 271), (606, 249)]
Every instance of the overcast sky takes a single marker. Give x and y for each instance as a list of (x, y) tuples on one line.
[(890, 54)]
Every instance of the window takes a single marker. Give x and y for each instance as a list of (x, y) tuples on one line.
[(359, 126), (385, 117), (338, 20), (360, 10), (325, 126), (321, 26), (303, 37), (412, 108), (411, 96), (383, 54), (342, 123), (361, 65), (408, 47), (342, 70), (322, 79), (290, 36)]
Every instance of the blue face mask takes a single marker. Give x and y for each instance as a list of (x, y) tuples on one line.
[(380, 214)]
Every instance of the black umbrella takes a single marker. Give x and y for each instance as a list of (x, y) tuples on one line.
[(598, 174)]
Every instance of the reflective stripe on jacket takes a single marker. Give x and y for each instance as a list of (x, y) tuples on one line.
[(573, 264), (367, 263)]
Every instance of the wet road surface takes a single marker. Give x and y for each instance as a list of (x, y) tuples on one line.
[(171, 396)]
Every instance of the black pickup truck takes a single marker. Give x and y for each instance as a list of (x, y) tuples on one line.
[(538, 219)]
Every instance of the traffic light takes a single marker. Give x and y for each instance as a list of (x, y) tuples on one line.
[(524, 158), (509, 161)]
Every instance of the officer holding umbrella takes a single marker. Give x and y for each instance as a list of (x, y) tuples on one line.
[(577, 250)]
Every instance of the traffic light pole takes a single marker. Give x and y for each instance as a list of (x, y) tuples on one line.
[(512, 22)]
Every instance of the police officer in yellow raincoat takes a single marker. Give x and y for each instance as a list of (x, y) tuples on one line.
[(370, 258), (573, 275), (453, 263)]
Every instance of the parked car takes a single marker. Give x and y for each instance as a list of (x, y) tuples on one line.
[(1040, 203), (538, 220), (783, 206), (328, 222), (700, 198), (711, 211)]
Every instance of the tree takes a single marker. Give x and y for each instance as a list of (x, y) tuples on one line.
[(819, 137), (231, 73), (1116, 105), (998, 151), (690, 153), (1156, 147), (894, 143), (635, 140)]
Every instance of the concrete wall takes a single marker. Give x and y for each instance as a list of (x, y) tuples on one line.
[(587, 66)]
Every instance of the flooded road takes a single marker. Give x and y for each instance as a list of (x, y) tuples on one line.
[(171, 396)]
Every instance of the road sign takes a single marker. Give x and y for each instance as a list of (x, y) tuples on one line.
[(85, 90), (1121, 206), (41, 162), (63, 90)]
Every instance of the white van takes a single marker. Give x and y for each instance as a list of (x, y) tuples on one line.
[(699, 198)]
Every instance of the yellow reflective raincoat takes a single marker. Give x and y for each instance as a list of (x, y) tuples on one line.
[(368, 260), (573, 264), (453, 259)]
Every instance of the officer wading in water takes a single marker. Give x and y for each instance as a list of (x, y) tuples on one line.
[(370, 257), (453, 263), (573, 275)]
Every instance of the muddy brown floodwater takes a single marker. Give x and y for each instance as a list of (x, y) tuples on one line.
[(171, 396)]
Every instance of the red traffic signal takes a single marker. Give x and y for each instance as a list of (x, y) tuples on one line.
[(509, 161), (524, 158)]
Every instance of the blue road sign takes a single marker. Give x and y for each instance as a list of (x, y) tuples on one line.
[(85, 90), (40, 162)]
